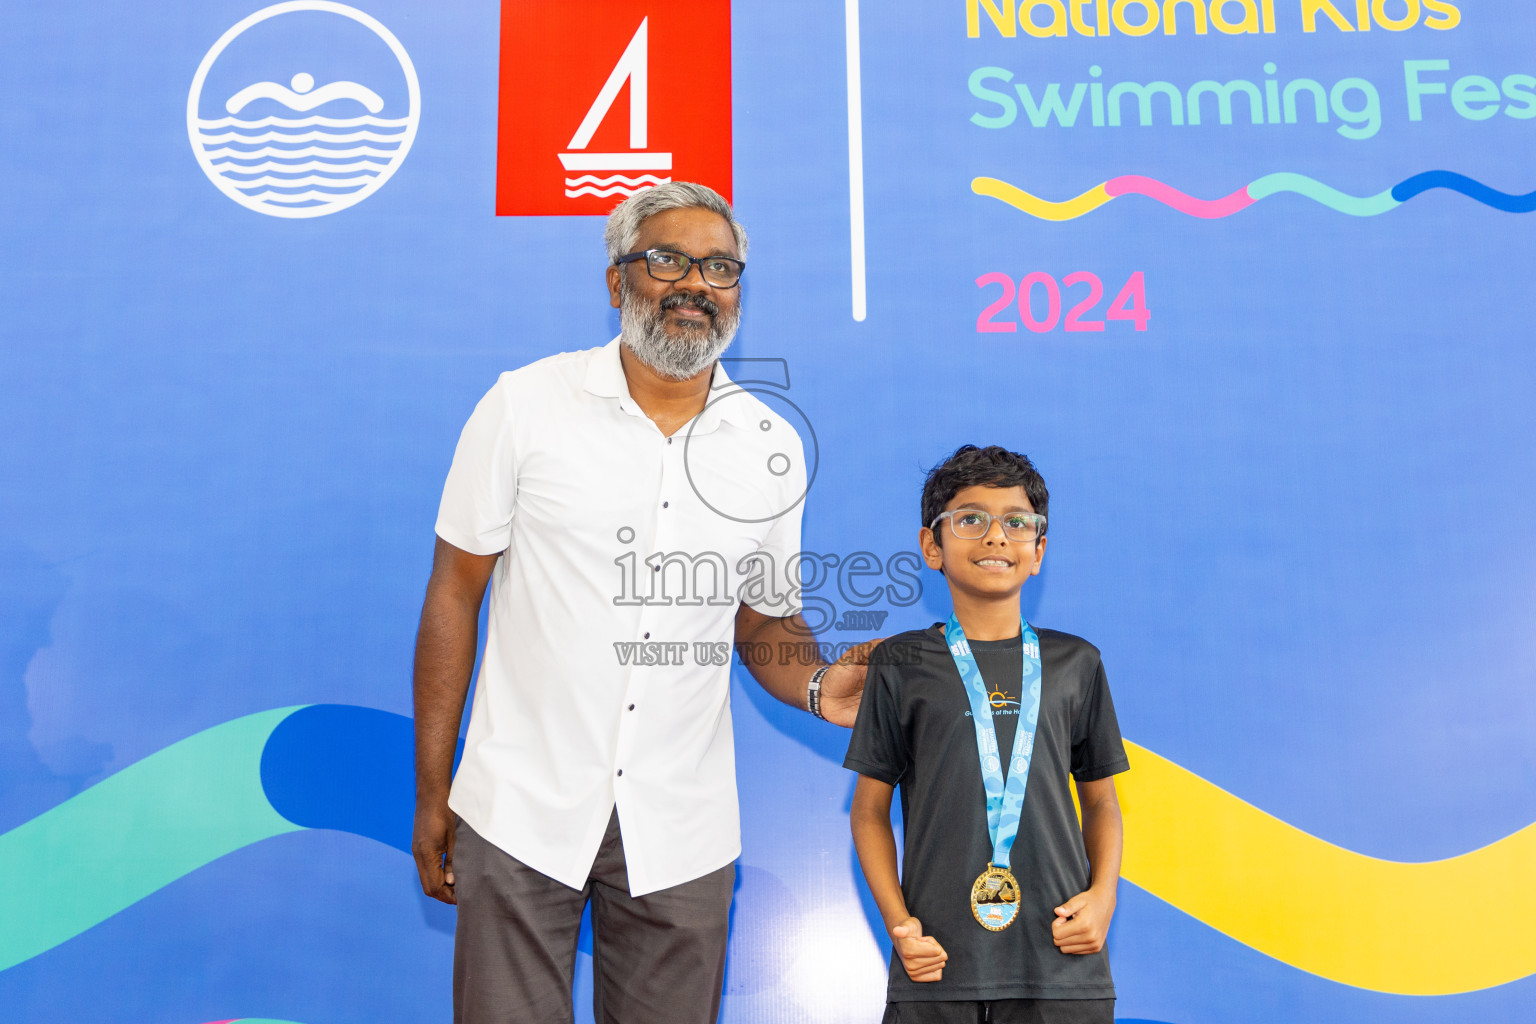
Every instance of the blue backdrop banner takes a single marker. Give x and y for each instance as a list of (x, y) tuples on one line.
[(1248, 279)]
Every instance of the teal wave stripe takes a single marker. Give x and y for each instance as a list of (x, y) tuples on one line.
[(1341, 202), (134, 833)]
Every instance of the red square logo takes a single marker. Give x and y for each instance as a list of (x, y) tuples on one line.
[(603, 98)]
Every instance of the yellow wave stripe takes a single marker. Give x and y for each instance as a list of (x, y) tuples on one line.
[(1037, 207), (1435, 928)]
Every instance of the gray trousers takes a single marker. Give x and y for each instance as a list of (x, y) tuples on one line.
[(656, 959), (1003, 1011)]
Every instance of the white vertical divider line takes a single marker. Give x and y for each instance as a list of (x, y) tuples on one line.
[(855, 158)]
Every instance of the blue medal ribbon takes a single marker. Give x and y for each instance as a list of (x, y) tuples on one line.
[(1005, 797)]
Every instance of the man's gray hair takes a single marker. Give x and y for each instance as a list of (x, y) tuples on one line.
[(623, 228)]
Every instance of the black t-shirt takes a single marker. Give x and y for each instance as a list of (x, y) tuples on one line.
[(914, 731)]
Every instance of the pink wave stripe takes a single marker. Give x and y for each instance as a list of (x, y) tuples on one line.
[(1210, 209)]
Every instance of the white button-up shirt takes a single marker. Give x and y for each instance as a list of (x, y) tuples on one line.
[(606, 675)]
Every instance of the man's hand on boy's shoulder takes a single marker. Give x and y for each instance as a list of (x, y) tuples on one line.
[(1083, 921), (843, 684), (921, 955)]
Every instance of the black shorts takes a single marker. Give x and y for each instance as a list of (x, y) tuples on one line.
[(1003, 1011)]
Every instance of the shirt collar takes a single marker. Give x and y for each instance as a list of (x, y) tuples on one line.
[(605, 374), (605, 378), (723, 403)]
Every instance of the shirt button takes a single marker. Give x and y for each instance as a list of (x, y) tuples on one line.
[(656, 568), (669, 440), (621, 771), (647, 636), (631, 707), (664, 504)]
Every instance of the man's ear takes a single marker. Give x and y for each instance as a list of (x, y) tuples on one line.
[(615, 280), (929, 545)]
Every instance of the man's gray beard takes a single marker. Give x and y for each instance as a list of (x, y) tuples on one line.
[(642, 326)]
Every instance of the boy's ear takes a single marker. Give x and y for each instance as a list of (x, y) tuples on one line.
[(932, 553), (1039, 555)]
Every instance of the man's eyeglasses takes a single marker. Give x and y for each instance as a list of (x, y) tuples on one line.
[(973, 524), (670, 265)]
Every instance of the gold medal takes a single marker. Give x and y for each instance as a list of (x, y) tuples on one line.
[(995, 898)]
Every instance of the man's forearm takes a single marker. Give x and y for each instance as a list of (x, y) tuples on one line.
[(762, 641), (445, 658), (784, 678)]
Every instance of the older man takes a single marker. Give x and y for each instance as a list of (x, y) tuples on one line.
[(578, 490)]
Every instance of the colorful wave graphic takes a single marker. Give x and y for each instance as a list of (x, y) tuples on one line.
[(218, 791), (1363, 921), (1269, 185), (1245, 873)]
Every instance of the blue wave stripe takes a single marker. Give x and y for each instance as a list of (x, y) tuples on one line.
[(351, 769), (1469, 187)]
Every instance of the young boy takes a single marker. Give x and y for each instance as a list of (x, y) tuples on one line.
[(1003, 903)]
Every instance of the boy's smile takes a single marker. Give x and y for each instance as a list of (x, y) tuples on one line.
[(987, 571), (997, 563)]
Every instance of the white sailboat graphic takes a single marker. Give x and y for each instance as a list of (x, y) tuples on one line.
[(634, 67)]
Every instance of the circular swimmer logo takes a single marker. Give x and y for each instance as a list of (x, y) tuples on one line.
[(303, 108)]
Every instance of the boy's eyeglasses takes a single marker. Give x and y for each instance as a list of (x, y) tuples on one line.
[(670, 265), (973, 524)]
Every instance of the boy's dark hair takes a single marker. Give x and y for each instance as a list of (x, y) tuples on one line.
[(971, 466)]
